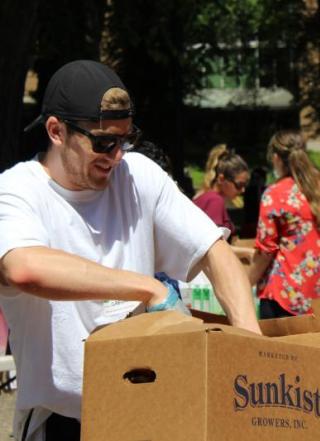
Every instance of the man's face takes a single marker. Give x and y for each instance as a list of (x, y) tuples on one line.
[(82, 167)]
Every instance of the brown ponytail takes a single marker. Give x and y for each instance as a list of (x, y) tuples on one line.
[(222, 161), (291, 148)]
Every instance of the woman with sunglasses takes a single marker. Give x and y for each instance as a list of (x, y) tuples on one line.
[(286, 264), (226, 177)]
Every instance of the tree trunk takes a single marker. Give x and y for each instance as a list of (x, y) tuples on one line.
[(17, 34)]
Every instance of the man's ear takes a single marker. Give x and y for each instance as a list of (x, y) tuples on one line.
[(56, 131)]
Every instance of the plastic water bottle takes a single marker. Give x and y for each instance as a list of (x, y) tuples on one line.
[(186, 293), (206, 299), (196, 298)]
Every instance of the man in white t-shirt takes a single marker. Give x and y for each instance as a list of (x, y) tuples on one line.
[(83, 229)]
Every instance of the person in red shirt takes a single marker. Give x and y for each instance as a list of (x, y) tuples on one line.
[(286, 264), (226, 177)]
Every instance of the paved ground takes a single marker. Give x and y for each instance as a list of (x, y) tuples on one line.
[(7, 403)]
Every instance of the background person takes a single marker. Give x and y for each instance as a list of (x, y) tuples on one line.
[(286, 265), (156, 153), (226, 177), (83, 223)]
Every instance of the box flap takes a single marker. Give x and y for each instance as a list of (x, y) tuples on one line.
[(275, 327), (289, 325), (316, 307), (147, 324), (210, 328), (209, 317), (310, 339), (227, 329), (293, 325)]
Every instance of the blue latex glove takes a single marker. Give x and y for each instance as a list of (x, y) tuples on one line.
[(171, 302)]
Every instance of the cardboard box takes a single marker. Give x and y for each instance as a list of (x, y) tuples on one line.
[(165, 376)]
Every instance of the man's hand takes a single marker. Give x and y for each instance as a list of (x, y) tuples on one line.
[(171, 302)]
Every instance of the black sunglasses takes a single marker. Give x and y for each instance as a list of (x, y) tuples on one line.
[(239, 185), (106, 143)]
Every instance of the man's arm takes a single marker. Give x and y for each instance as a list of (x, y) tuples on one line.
[(231, 285), (57, 275)]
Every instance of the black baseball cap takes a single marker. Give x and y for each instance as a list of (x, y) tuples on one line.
[(75, 92)]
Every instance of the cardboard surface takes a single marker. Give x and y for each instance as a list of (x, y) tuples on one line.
[(285, 326), (164, 376)]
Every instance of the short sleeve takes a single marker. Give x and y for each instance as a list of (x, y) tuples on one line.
[(183, 232), (267, 238), (20, 226)]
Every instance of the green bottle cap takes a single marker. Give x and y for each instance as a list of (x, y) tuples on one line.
[(205, 293)]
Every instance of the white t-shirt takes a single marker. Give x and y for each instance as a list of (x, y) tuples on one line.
[(140, 222)]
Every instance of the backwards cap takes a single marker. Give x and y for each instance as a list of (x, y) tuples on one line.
[(76, 90)]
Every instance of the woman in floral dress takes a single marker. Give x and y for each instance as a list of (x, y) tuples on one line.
[(286, 264)]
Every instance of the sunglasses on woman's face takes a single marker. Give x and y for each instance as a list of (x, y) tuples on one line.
[(106, 143), (239, 185)]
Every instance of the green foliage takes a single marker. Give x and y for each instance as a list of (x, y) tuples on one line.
[(175, 41), (196, 175), (165, 38), (269, 24), (315, 157)]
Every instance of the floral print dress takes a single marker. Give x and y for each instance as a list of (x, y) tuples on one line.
[(287, 230)]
